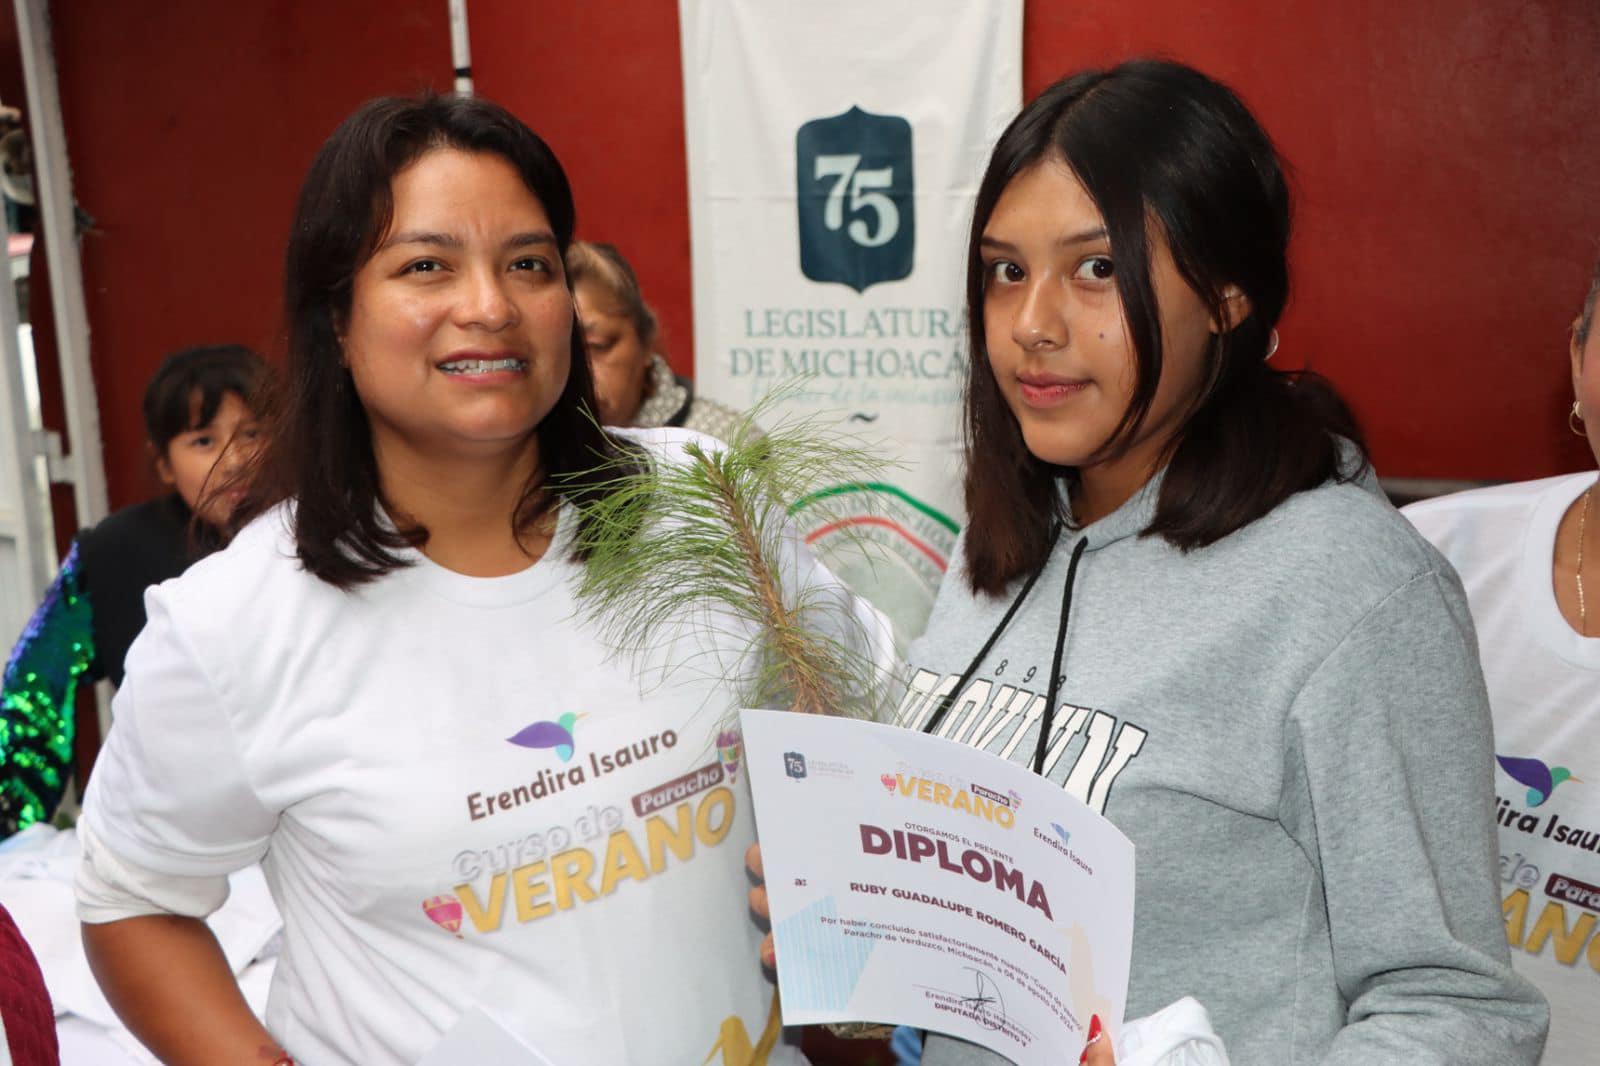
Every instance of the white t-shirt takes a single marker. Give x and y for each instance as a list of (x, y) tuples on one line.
[(459, 799), (1544, 688)]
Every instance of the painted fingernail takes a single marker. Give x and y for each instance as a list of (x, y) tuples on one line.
[(1094, 1028)]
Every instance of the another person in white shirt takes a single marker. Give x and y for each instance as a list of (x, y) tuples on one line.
[(1529, 557), (382, 691)]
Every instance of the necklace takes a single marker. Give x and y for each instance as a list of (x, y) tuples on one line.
[(1583, 522)]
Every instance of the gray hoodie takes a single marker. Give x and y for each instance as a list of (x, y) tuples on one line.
[(1292, 728)]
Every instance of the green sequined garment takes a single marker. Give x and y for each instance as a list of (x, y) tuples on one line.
[(36, 701)]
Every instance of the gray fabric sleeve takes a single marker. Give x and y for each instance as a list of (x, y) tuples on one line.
[(1389, 790)]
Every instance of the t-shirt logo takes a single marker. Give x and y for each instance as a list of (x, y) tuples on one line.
[(730, 751), (853, 184), (445, 912), (1539, 779), (556, 734)]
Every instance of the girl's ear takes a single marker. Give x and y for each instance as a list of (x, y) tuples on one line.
[(158, 459), (1235, 309)]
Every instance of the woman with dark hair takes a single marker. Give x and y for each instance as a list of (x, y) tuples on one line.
[(1522, 553), (1193, 619), (202, 428), (1175, 600), (469, 813)]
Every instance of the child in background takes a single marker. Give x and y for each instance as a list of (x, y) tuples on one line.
[(200, 414)]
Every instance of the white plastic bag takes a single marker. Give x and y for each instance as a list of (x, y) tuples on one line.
[(1177, 1035)]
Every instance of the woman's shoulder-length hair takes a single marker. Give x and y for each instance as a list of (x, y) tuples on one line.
[(1161, 149), (320, 452)]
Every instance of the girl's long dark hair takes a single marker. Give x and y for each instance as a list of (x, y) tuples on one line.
[(320, 453), (1159, 147)]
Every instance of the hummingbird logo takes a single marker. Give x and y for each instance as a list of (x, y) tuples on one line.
[(1539, 779), (556, 734), (1062, 831)]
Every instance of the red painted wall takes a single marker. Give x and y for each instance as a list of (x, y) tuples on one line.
[(189, 125), (1447, 166)]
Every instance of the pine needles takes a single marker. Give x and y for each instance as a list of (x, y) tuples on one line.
[(704, 547)]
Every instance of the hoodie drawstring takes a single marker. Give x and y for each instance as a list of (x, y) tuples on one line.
[(1048, 717)]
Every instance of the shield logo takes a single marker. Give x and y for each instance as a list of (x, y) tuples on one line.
[(853, 184), (794, 764)]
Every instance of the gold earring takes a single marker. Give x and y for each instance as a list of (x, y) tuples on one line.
[(1575, 419)]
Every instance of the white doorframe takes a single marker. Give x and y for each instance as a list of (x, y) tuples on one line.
[(27, 549), (83, 466)]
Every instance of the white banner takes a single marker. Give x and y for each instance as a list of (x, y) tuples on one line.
[(834, 151)]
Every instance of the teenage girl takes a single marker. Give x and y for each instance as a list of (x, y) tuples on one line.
[(1177, 600)]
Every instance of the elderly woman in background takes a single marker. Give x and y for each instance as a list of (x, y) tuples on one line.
[(1524, 557), (632, 381)]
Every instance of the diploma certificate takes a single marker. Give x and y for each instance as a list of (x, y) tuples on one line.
[(921, 882)]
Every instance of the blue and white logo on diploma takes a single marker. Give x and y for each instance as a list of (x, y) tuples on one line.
[(794, 764), (853, 184)]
